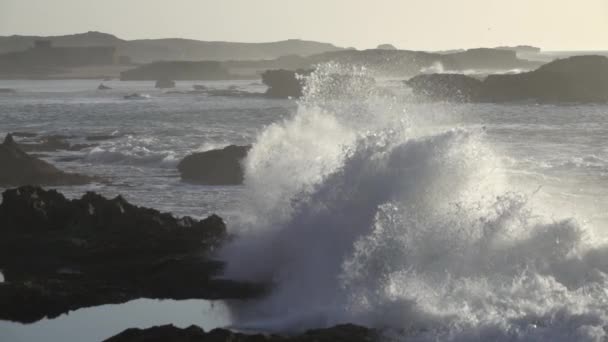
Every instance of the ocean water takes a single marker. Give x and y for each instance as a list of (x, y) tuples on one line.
[(451, 222)]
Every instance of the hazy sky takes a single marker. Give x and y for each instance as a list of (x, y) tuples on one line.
[(408, 24)]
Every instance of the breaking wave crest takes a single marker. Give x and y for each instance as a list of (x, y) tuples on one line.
[(358, 211)]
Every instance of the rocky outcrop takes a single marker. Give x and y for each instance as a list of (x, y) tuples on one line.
[(284, 83), (19, 168), (215, 167), (169, 333), (59, 255), (445, 87), (575, 79), (581, 79), (103, 87)]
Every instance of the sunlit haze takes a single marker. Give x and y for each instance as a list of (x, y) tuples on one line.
[(414, 24)]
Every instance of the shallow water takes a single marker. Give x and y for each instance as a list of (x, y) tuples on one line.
[(443, 218), (99, 323)]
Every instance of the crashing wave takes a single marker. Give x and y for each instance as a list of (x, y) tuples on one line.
[(358, 211)]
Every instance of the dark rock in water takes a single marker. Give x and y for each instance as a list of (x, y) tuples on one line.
[(169, 333), (103, 87), (445, 87), (284, 83), (199, 87), (581, 79), (19, 168), (575, 79), (164, 84), (59, 255), (215, 167)]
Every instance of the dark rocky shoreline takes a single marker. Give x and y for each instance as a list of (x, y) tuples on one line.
[(169, 333), (59, 255)]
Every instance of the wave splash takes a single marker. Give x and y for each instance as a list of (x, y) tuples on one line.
[(360, 212)]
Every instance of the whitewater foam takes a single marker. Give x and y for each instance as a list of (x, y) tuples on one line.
[(358, 211)]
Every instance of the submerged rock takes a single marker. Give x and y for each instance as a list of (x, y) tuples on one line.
[(19, 168), (215, 167), (170, 333), (59, 255)]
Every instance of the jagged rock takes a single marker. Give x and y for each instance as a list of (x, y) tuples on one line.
[(19, 168), (169, 333), (445, 87), (59, 255), (284, 83), (215, 167), (103, 87)]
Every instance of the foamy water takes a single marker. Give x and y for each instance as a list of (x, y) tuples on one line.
[(436, 221), (360, 209)]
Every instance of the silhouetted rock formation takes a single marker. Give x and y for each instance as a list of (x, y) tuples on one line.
[(207, 70), (521, 48), (575, 79), (19, 168), (284, 83), (164, 84), (169, 333), (103, 87), (484, 59), (215, 167), (386, 47), (59, 255), (446, 87)]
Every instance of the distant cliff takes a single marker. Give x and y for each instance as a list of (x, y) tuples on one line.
[(150, 50), (397, 63)]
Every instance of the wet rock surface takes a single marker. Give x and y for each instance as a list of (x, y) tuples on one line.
[(166, 333), (59, 255), (215, 167), (19, 168)]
